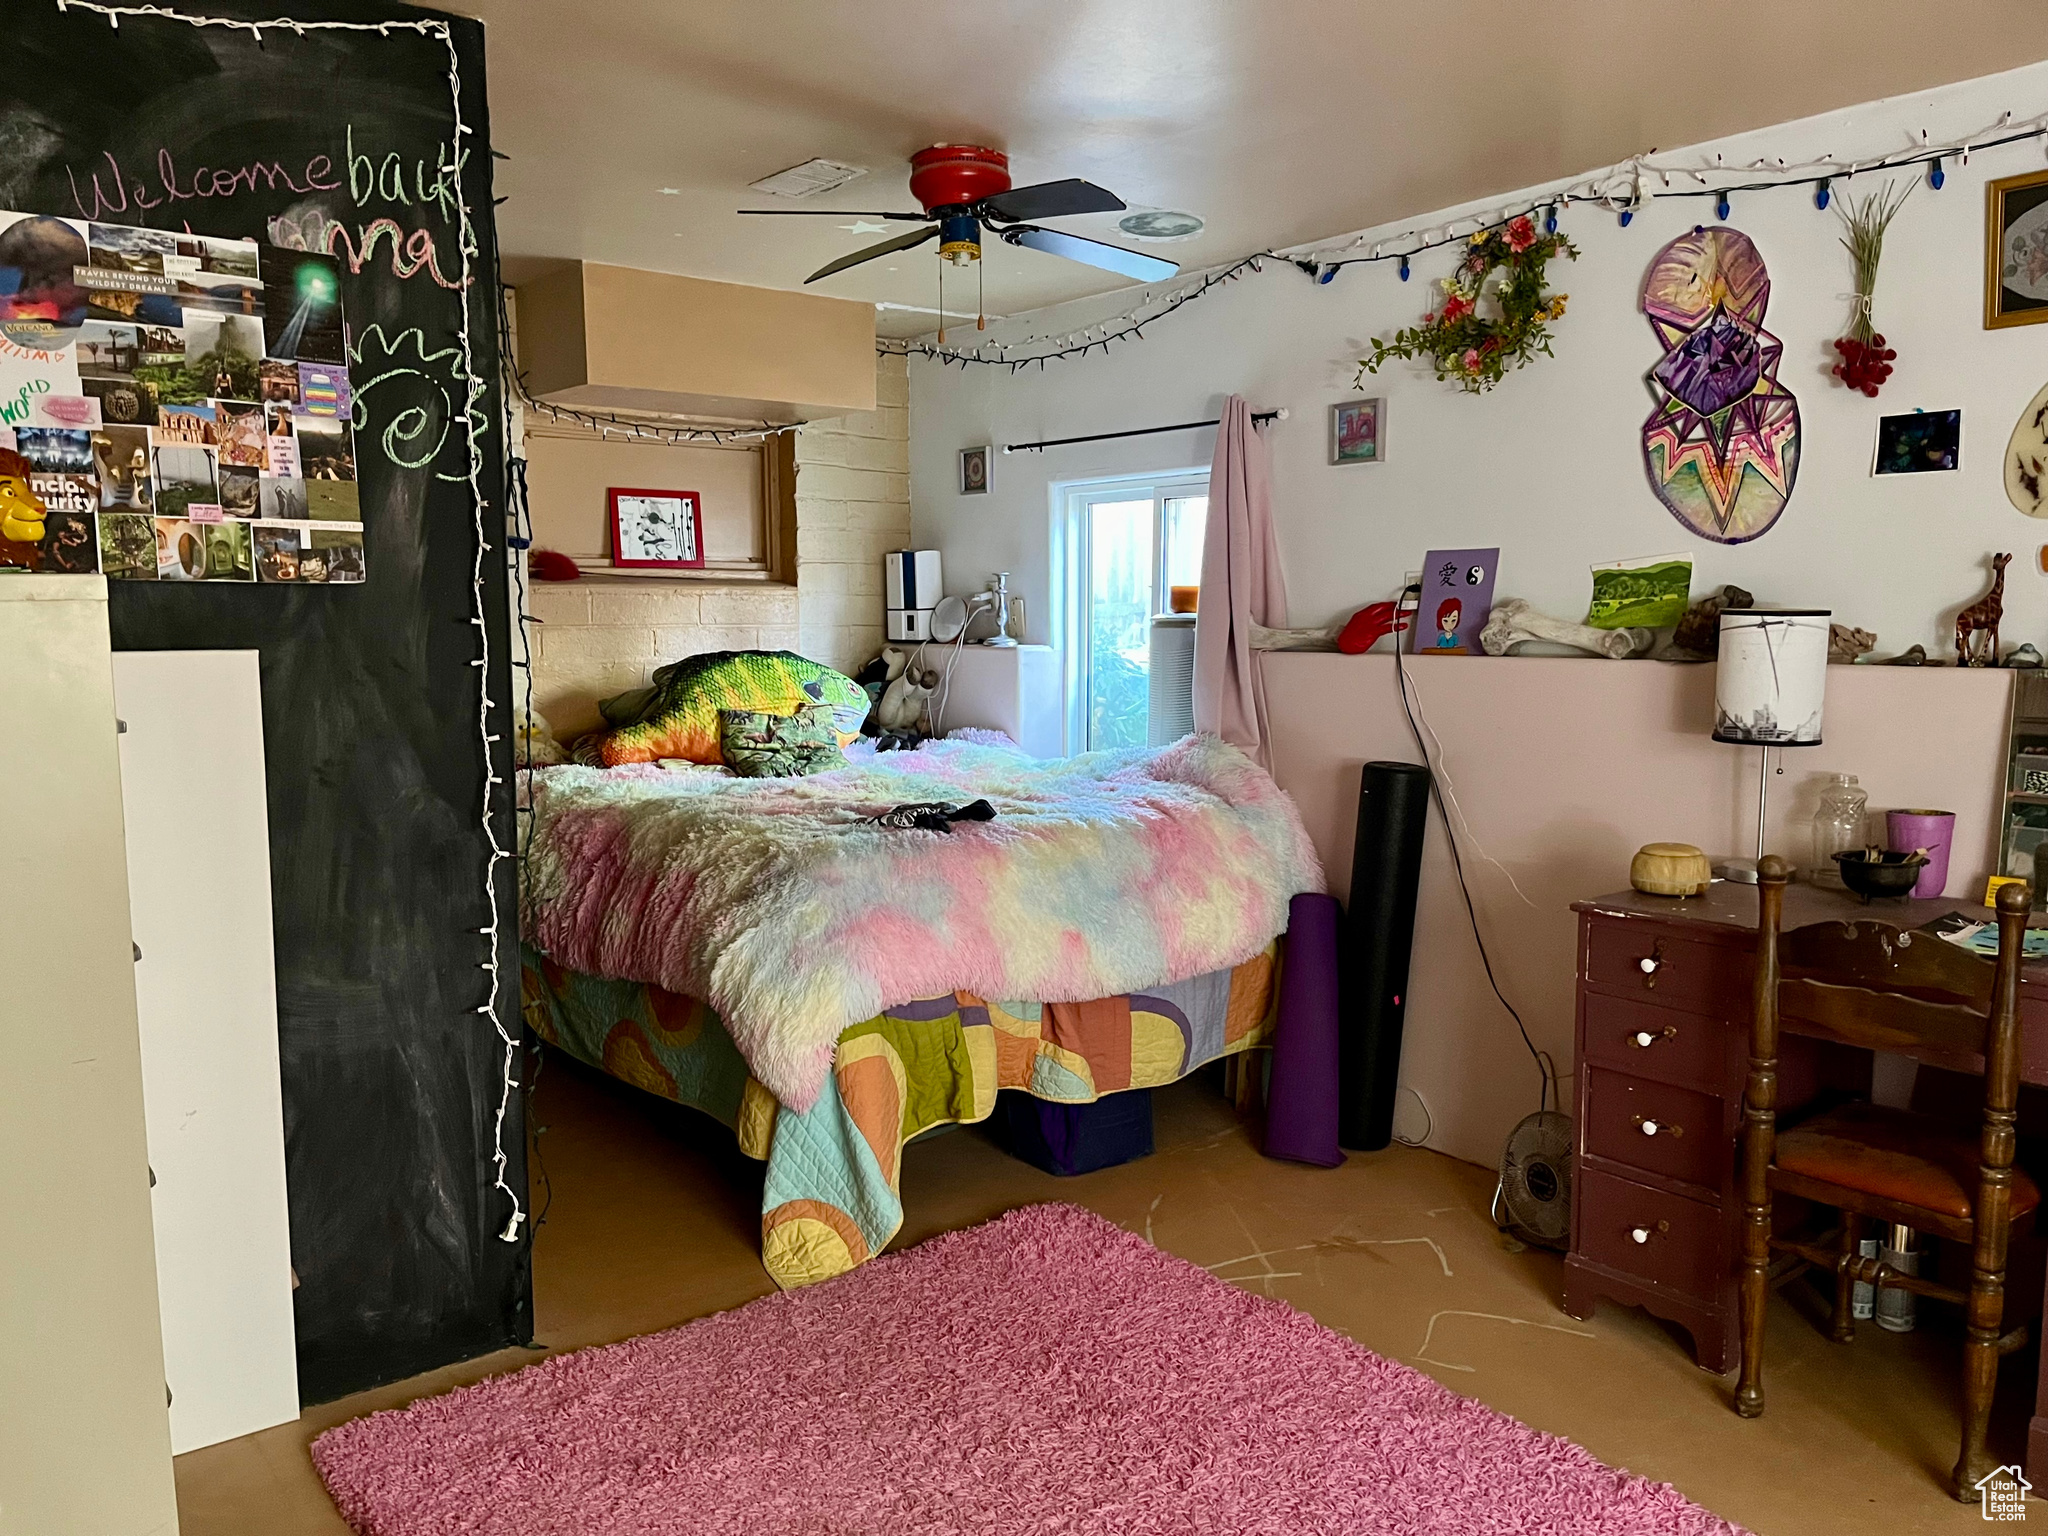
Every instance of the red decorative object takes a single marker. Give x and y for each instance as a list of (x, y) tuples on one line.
[(1369, 625), (948, 175), (1865, 365), (548, 565)]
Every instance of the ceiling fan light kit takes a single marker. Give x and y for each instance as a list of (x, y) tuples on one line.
[(965, 188)]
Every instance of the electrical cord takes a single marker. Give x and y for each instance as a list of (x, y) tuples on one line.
[(1545, 1068)]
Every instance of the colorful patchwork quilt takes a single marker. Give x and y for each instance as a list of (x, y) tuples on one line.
[(833, 1189)]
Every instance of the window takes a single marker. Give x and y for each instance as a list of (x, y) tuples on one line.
[(1125, 543)]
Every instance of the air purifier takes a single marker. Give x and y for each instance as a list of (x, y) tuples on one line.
[(911, 579)]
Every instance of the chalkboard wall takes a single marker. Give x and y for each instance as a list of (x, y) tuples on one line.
[(369, 692)]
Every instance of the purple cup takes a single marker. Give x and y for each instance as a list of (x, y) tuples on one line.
[(1932, 830)]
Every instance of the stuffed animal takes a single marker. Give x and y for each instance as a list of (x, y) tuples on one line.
[(876, 677), (899, 714)]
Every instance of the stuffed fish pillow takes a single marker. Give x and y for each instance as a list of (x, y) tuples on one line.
[(678, 716)]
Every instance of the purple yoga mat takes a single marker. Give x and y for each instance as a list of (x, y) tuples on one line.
[(1301, 1107)]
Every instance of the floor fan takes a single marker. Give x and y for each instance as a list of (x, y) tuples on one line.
[(1535, 1190)]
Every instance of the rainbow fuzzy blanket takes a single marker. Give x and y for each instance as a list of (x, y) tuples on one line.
[(776, 902)]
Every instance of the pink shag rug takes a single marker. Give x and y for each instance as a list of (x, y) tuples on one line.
[(1046, 1373)]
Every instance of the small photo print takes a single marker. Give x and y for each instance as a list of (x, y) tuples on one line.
[(182, 475), (238, 431), (277, 382), (281, 498), (71, 543), (333, 501), (221, 356), (123, 401), (229, 258), (180, 550), (127, 547), (339, 551), (301, 306), (228, 554), (195, 426), (120, 461), (1924, 442), (278, 547), (121, 248), (277, 419), (41, 302), (240, 490), (1358, 431), (326, 447), (56, 450), (282, 454)]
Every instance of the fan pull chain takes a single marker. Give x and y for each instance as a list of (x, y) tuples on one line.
[(980, 309)]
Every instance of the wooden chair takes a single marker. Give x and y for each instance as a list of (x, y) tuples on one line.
[(1867, 983)]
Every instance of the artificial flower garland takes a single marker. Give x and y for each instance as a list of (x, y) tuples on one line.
[(1477, 353)]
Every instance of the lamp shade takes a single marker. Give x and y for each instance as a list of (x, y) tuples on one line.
[(1772, 677)]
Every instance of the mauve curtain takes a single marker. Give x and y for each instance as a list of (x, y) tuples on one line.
[(1241, 585)]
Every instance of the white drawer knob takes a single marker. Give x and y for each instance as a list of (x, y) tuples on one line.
[(1645, 1039), (1649, 964), (1640, 1234), (1649, 1127)]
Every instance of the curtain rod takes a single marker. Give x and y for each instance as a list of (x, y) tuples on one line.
[(1097, 437)]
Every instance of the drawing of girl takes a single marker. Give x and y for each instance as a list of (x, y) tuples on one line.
[(1448, 615)]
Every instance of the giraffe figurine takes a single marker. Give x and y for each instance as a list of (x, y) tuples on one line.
[(1981, 618)]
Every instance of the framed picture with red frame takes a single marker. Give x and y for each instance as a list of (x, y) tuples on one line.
[(656, 529)]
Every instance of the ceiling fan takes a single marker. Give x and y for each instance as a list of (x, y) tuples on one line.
[(964, 189)]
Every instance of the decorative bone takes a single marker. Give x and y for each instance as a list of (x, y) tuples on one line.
[(1324, 639), (1514, 621)]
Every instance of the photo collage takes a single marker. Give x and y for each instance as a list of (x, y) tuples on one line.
[(173, 407)]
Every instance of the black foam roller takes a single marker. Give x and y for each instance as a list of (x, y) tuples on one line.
[(1379, 932)]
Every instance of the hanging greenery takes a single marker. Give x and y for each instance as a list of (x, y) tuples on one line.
[(1866, 360), (1467, 347)]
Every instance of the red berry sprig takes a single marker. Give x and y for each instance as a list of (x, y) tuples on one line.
[(1865, 365)]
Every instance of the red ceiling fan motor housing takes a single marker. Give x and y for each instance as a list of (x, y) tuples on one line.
[(949, 175)]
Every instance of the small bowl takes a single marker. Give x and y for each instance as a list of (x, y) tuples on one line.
[(1889, 874)]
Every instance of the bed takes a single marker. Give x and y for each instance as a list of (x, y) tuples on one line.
[(830, 985)]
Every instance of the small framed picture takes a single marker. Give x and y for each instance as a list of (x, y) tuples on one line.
[(1923, 442), (1358, 431), (2016, 251), (656, 528), (974, 470)]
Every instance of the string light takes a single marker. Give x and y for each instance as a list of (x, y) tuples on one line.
[(474, 389), (1623, 189)]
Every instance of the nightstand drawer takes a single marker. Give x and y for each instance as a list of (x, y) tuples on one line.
[(1666, 1129), (1634, 959), (1663, 1238), (1661, 1043)]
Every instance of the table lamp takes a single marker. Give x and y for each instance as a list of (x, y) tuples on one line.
[(1768, 689)]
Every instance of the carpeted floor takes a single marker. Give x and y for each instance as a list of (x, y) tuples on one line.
[(1046, 1371), (656, 1220)]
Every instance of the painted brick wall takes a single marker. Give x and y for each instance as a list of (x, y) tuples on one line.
[(852, 505), (603, 635)]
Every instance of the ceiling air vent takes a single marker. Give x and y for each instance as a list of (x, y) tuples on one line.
[(808, 179)]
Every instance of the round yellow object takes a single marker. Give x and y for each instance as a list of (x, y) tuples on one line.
[(1669, 869)]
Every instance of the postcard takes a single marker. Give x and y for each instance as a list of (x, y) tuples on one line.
[(56, 450), (197, 424), (301, 306), (180, 475), (41, 302), (120, 461)]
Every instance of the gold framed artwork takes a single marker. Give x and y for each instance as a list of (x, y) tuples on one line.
[(2016, 251)]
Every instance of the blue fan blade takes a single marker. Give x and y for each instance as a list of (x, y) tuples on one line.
[(1111, 258)]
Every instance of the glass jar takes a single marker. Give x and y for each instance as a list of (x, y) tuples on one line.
[(1838, 827)]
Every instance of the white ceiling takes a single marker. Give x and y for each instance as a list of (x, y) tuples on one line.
[(1278, 121)]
